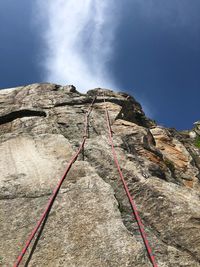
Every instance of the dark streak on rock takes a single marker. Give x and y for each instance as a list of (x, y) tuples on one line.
[(20, 114)]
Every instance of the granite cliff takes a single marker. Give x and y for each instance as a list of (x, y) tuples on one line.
[(91, 222)]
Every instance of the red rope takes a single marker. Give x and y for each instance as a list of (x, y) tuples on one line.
[(57, 188), (133, 205)]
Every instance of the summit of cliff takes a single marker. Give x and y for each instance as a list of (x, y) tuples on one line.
[(91, 222)]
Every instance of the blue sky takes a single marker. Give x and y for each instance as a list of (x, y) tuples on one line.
[(149, 48)]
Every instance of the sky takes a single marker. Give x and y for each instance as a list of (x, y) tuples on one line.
[(147, 48)]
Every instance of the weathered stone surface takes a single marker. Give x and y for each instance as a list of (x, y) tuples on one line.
[(90, 223), (197, 127)]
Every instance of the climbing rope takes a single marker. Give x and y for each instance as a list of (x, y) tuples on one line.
[(132, 203), (57, 188)]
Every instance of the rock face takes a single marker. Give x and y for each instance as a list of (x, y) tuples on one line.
[(91, 223), (197, 127)]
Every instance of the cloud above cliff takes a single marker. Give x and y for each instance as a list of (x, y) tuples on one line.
[(79, 40)]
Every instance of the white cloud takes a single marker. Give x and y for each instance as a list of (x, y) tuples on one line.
[(79, 40)]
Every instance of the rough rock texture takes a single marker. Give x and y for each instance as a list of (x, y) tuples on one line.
[(197, 127), (91, 223)]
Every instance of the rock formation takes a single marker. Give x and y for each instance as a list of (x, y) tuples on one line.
[(91, 222)]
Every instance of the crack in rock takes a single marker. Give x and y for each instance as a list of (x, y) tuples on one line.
[(21, 114)]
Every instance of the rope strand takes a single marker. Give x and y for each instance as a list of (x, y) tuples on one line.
[(132, 203), (57, 188)]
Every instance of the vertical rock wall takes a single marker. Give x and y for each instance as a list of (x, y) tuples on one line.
[(91, 223)]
